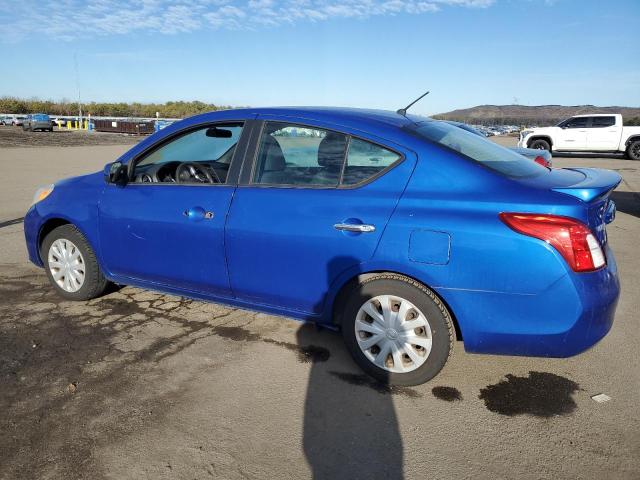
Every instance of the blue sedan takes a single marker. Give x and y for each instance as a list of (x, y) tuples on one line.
[(404, 232)]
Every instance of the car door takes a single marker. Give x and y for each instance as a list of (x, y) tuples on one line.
[(166, 226), (301, 216), (573, 134), (603, 134)]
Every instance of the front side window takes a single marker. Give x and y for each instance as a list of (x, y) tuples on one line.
[(300, 156), (576, 122), (602, 122), (199, 156), (476, 148)]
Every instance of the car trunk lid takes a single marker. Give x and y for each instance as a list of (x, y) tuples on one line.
[(589, 185)]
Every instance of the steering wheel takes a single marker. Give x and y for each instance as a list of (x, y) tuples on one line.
[(189, 172)]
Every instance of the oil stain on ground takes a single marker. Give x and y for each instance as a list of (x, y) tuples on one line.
[(448, 394), (540, 394), (362, 380)]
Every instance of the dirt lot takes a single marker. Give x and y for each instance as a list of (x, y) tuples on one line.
[(142, 385), (61, 137)]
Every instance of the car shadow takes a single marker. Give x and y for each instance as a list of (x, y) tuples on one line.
[(350, 425), (627, 202)]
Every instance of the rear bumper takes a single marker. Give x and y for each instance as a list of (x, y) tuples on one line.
[(566, 319)]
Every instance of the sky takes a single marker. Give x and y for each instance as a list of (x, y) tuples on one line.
[(360, 53)]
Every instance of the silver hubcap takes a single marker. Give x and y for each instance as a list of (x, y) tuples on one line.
[(393, 333), (66, 265)]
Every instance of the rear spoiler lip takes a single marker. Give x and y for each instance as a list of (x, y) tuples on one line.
[(597, 183)]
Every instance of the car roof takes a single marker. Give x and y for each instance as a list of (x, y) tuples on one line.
[(595, 115), (354, 117)]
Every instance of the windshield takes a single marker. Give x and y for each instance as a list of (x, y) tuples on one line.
[(39, 117), (477, 148)]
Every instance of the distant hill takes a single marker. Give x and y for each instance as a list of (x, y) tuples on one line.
[(533, 115)]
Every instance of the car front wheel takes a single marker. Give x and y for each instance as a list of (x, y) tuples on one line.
[(71, 264), (397, 330)]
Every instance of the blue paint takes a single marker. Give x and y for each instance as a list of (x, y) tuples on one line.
[(436, 220), (427, 246)]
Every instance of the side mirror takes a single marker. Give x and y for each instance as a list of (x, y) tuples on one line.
[(115, 173)]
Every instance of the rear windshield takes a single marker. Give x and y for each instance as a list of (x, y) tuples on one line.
[(41, 117), (479, 149)]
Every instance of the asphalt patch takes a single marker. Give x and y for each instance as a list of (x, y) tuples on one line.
[(448, 394), (540, 395)]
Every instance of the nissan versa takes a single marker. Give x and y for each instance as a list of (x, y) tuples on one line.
[(403, 231)]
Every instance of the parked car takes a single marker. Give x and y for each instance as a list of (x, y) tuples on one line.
[(586, 133), (14, 120), (543, 157), (400, 230), (37, 121)]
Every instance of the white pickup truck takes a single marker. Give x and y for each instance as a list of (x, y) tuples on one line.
[(585, 133)]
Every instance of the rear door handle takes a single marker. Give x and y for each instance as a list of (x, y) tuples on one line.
[(197, 213), (351, 227)]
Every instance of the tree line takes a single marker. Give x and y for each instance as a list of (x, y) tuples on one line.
[(179, 109)]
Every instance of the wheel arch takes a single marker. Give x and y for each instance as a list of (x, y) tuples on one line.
[(546, 138), (337, 301), (49, 226), (632, 138)]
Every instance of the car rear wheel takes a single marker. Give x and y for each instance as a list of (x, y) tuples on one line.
[(397, 330), (71, 264), (633, 150), (540, 145)]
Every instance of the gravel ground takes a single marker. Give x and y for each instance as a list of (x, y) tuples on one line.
[(138, 384), (60, 137)]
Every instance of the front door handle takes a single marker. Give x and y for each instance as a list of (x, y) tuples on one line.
[(351, 227)]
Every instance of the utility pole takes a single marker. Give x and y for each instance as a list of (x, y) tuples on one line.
[(75, 61)]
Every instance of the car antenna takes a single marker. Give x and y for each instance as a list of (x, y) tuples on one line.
[(403, 111)]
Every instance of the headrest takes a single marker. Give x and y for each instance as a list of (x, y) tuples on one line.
[(331, 150), (272, 157)]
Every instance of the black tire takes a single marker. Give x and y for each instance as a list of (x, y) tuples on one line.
[(540, 144), (425, 300), (633, 150), (95, 283)]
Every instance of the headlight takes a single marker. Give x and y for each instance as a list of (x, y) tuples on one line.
[(524, 133), (42, 193)]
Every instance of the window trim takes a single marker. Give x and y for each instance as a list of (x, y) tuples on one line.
[(247, 126), (249, 182)]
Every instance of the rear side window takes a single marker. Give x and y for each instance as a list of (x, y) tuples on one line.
[(366, 160), (296, 155), (601, 122), (479, 149)]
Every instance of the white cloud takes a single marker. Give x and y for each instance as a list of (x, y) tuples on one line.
[(69, 19)]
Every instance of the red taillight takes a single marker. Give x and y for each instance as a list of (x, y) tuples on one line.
[(541, 161), (571, 238)]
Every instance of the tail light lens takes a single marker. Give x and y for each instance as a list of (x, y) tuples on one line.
[(571, 238), (541, 161)]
